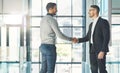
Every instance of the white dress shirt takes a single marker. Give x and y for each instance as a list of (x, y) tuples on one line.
[(93, 27)]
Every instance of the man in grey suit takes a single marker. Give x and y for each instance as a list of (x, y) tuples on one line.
[(98, 36)]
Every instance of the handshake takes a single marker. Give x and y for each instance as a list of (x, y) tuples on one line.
[(75, 40)]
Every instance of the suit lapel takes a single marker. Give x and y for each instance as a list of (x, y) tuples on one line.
[(90, 29), (97, 23)]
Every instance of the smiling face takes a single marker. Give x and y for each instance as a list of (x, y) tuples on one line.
[(92, 12), (53, 10)]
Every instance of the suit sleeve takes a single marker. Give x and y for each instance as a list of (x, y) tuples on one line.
[(106, 35), (87, 37)]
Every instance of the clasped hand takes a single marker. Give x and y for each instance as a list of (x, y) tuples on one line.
[(75, 40)]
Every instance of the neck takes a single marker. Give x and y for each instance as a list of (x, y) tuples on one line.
[(94, 17), (50, 14)]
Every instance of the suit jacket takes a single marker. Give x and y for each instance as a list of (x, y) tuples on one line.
[(101, 36)]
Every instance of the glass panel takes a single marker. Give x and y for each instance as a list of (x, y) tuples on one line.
[(113, 68), (36, 21), (10, 53), (77, 21), (64, 9), (115, 37), (12, 6), (77, 48), (105, 5), (77, 53), (1, 20), (12, 19), (63, 68), (35, 55), (76, 68), (35, 68), (63, 52), (36, 7), (113, 57), (14, 43), (44, 5), (3, 53), (35, 43), (14, 68), (66, 21), (77, 7), (66, 32), (77, 32), (9, 68), (115, 19), (0, 6)]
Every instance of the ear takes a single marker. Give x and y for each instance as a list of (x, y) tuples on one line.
[(50, 8)]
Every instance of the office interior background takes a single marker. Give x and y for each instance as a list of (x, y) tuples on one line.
[(20, 35)]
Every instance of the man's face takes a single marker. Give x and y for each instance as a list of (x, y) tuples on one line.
[(54, 10), (92, 12)]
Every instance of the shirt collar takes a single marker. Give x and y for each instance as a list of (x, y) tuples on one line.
[(50, 14), (96, 19)]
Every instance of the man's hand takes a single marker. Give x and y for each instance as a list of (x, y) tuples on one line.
[(101, 55), (75, 40)]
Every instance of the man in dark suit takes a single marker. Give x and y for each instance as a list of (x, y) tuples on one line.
[(98, 35)]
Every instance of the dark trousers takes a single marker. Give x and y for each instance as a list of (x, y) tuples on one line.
[(48, 58), (97, 65)]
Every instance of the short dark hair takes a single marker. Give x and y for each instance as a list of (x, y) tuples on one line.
[(50, 5), (96, 7)]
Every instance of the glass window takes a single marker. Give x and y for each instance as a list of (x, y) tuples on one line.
[(13, 68), (64, 21), (14, 43), (9, 68), (36, 7), (116, 19), (12, 6), (63, 68), (77, 53), (69, 21), (35, 68), (77, 7), (35, 37), (106, 5), (77, 21), (0, 6), (76, 68), (63, 52), (64, 7), (35, 21), (35, 55), (1, 20), (77, 32), (115, 31), (13, 19), (113, 57)]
